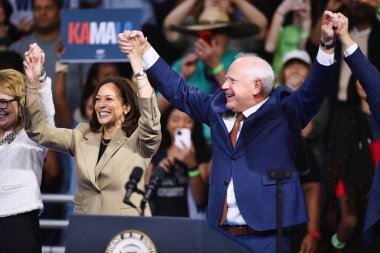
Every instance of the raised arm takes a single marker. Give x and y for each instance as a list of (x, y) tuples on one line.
[(145, 90), (253, 15), (361, 68), (302, 18), (38, 83), (306, 100), (333, 6), (276, 25), (174, 88), (39, 110), (149, 122), (176, 17)]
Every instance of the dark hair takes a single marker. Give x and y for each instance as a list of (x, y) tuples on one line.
[(58, 3), (282, 75), (87, 92), (11, 60), (127, 91), (197, 136), (94, 72), (8, 10)]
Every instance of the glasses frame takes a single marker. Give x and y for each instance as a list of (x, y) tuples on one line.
[(6, 103)]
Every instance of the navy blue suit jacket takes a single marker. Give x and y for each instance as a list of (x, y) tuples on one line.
[(266, 141), (369, 78)]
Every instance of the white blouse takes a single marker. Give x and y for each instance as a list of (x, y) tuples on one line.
[(21, 164)]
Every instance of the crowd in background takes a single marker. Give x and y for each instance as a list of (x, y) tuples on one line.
[(337, 151)]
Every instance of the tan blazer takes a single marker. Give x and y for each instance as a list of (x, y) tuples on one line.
[(101, 186)]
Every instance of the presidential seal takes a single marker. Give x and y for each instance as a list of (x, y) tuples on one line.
[(131, 241)]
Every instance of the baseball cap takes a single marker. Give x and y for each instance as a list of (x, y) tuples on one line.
[(296, 54)]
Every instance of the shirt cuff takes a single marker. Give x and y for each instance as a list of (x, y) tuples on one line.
[(149, 58), (46, 86), (349, 51), (325, 59)]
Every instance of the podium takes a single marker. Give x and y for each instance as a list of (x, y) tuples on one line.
[(90, 233)]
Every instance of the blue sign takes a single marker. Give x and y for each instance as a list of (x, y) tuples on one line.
[(91, 35)]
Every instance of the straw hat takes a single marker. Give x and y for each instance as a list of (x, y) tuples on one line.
[(217, 21)]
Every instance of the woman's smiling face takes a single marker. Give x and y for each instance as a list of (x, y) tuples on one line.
[(109, 106), (9, 114)]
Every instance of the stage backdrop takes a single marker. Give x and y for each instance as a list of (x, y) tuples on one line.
[(91, 35)]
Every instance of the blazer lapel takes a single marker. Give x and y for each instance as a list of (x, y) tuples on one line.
[(117, 141), (90, 147)]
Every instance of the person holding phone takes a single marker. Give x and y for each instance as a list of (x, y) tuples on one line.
[(185, 157)]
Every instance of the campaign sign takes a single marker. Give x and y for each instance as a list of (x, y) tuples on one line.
[(91, 35)]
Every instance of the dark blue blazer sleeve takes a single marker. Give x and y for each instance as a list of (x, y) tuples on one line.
[(175, 89), (369, 78), (305, 102)]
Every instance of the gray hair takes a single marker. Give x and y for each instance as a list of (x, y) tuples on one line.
[(259, 69)]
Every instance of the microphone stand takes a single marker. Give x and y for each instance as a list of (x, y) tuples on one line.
[(142, 206), (279, 176), (132, 205)]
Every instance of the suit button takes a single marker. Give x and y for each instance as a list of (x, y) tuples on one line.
[(233, 158)]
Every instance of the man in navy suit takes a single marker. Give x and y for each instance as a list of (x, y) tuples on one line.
[(266, 137), (369, 78)]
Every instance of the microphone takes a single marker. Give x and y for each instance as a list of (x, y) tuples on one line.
[(131, 185), (156, 177)]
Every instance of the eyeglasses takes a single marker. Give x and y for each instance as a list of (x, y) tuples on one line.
[(4, 103)]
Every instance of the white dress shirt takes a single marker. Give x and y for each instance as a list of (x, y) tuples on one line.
[(21, 164)]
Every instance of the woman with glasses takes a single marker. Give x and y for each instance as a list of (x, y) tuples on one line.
[(21, 159)]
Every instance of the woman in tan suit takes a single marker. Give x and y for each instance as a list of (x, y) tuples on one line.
[(124, 132)]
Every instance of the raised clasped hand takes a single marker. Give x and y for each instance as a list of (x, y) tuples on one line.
[(327, 28), (33, 63), (129, 41), (340, 25)]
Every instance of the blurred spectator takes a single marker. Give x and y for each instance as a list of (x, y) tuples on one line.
[(189, 11), (144, 5), (11, 60), (283, 38), (22, 16), (205, 68), (350, 168), (46, 16), (296, 67), (8, 32), (183, 190)]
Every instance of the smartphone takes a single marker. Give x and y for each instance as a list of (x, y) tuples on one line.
[(182, 138), (206, 36)]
